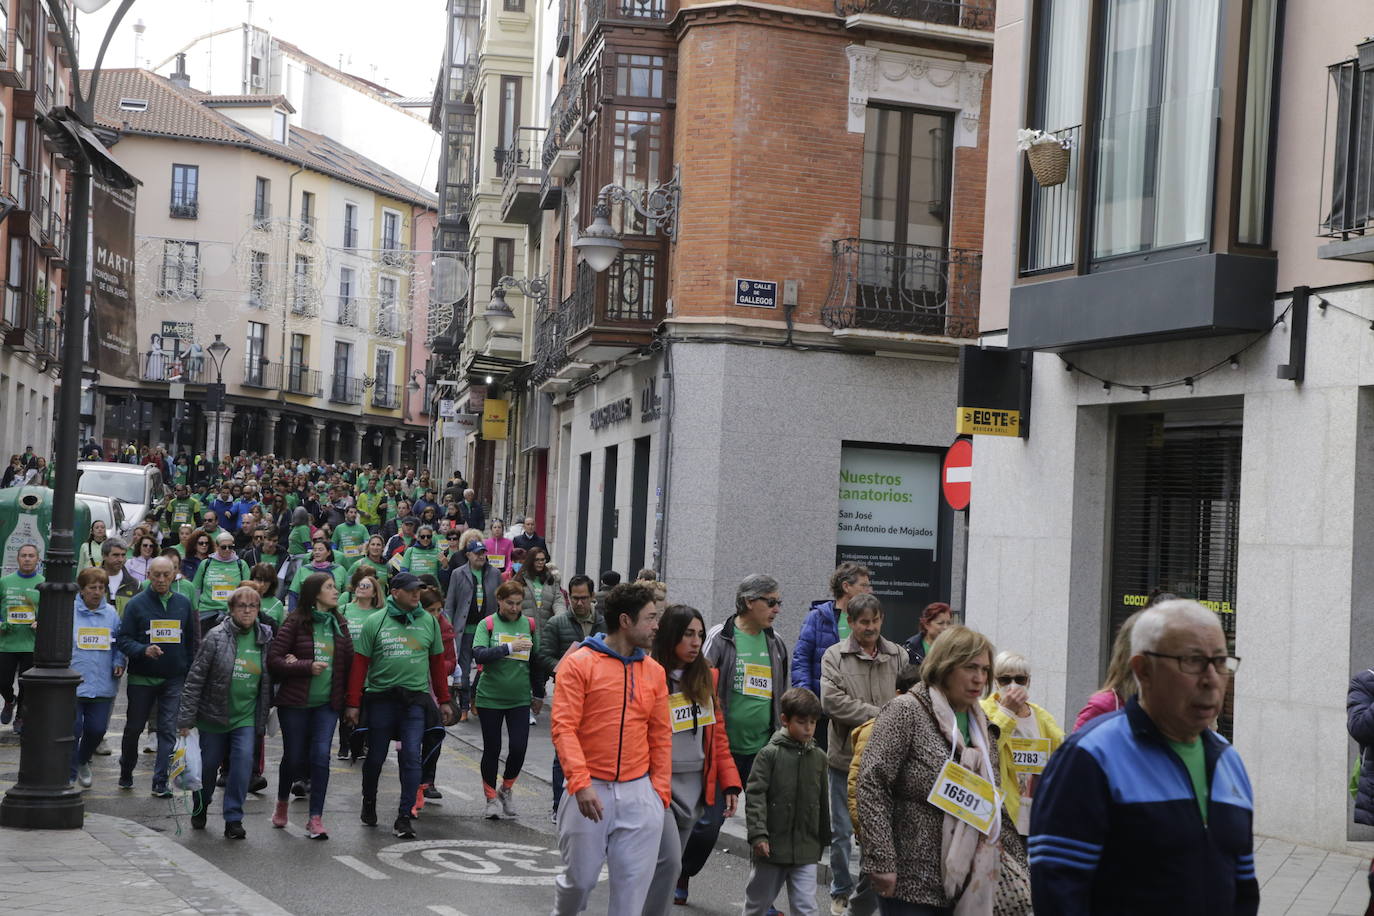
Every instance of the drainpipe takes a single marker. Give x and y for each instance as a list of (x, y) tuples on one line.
[(665, 446), (286, 284)]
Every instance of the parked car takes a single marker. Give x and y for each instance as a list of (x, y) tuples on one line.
[(107, 510), (138, 487)]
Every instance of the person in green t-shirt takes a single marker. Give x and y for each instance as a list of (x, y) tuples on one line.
[(226, 698), (264, 579), (18, 627), (321, 560), (398, 660), (298, 541), (216, 578), (350, 539), (369, 505), (364, 598), (183, 508), (309, 660), (422, 557), (509, 688)]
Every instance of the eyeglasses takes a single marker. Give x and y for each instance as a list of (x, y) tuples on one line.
[(1197, 664), (771, 602), (1005, 679)]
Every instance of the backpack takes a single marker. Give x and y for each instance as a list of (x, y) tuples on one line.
[(491, 628)]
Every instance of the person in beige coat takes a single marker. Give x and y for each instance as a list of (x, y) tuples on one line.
[(858, 675)]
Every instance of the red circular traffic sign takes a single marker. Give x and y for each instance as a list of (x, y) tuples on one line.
[(956, 477)]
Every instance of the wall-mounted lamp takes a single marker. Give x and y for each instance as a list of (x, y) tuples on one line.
[(498, 314), (600, 244)]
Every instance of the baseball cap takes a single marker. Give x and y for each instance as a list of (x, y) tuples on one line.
[(475, 546), (404, 580)]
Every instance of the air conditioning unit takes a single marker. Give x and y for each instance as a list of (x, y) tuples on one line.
[(259, 81)]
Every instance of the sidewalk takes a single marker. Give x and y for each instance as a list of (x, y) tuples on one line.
[(114, 865)]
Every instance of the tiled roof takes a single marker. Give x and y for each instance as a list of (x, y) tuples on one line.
[(279, 101), (184, 113)]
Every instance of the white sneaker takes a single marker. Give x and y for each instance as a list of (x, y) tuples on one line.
[(103, 748), (493, 812), (507, 798), (83, 775), (839, 906), (533, 720)]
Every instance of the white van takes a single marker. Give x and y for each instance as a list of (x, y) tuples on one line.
[(138, 487)]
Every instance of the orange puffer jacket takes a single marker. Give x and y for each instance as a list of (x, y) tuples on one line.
[(611, 720)]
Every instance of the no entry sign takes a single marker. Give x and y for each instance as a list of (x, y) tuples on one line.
[(956, 478)]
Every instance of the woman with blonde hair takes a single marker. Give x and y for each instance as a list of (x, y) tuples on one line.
[(1119, 685), (1027, 734)]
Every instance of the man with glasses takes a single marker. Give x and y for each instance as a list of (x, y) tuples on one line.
[(560, 633), (753, 667), (1147, 810)]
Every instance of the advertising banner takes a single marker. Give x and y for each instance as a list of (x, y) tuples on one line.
[(495, 418), (889, 520), (114, 322)]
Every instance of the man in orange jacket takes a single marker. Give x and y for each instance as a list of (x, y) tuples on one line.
[(612, 732)]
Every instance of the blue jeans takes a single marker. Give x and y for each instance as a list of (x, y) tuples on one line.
[(237, 748), (707, 830), (384, 719), (307, 737), (92, 719), (167, 695), (465, 670), (841, 831)]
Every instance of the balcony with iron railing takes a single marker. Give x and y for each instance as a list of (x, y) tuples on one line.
[(550, 345), (522, 173), (184, 208), (44, 336), (260, 373), (1052, 212), (633, 12), (386, 397), (952, 19), (911, 289), (1347, 186), (304, 381), (613, 313), (166, 365), (61, 241), (346, 389)]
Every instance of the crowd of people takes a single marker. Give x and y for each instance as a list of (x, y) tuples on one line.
[(381, 607)]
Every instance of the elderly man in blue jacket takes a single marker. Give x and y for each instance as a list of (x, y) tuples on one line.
[(1147, 810)]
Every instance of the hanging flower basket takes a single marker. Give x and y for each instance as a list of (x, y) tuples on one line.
[(1048, 156)]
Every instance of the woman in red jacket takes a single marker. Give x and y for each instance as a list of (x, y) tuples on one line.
[(702, 765), (310, 658)]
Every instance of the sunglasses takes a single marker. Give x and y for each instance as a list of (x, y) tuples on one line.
[(1005, 679), (771, 602)]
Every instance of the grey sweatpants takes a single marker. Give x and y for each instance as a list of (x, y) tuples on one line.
[(766, 881), (631, 823)]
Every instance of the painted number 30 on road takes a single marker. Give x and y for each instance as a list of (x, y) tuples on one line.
[(476, 860)]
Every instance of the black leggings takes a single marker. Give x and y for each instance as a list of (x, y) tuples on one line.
[(517, 722), (11, 665)]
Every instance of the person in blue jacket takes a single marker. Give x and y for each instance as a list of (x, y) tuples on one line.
[(825, 625), (95, 625), (1146, 809)]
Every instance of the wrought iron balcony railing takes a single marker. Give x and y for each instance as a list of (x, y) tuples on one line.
[(386, 396), (919, 289), (259, 373), (346, 389), (168, 366), (304, 381)]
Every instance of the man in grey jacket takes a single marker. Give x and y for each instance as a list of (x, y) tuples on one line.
[(471, 597)]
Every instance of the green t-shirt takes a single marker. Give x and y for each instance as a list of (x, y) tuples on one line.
[(399, 645), (750, 723), (298, 542), (1194, 757), (356, 617), (184, 511), (505, 684), (272, 559), (842, 624), (368, 504), (309, 569), (962, 719), (19, 604), (215, 581), (243, 685), (320, 684), (350, 543), (421, 561), (273, 610)]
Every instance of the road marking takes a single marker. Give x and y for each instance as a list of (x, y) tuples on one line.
[(449, 790), (445, 911), (367, 871)]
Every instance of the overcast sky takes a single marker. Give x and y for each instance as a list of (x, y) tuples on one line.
[(398, 43)]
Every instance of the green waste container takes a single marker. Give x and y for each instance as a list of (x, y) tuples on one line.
[(26, 518)]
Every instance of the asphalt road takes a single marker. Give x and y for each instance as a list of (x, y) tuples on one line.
[(459, 864)]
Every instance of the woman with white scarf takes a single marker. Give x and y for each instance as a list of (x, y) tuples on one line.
[(937, 840)]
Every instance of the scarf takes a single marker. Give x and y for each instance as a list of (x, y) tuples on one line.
[(970, 861)]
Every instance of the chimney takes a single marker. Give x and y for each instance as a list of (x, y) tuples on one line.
[(179, 77)]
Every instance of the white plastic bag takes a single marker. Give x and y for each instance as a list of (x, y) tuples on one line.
[(185, 763)]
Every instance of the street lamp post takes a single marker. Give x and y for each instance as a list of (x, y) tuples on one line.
[(218, 351), (42, 797)]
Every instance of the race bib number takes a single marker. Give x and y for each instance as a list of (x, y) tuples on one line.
[(497, 560), (758, 681), (1029, 755), (353, 552), (96, 639), (165, 631), (681, 709), (222, 592), (508, 639), (20, 613), (181, 517), (966, 795)]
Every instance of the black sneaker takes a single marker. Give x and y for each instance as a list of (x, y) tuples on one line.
[(298, 788), (219, 780), (344, 753), (431, 792), (257, 784), (233, 830), (197, 811), (369, 812), (403, 829), (161, 792), (126, 782)]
